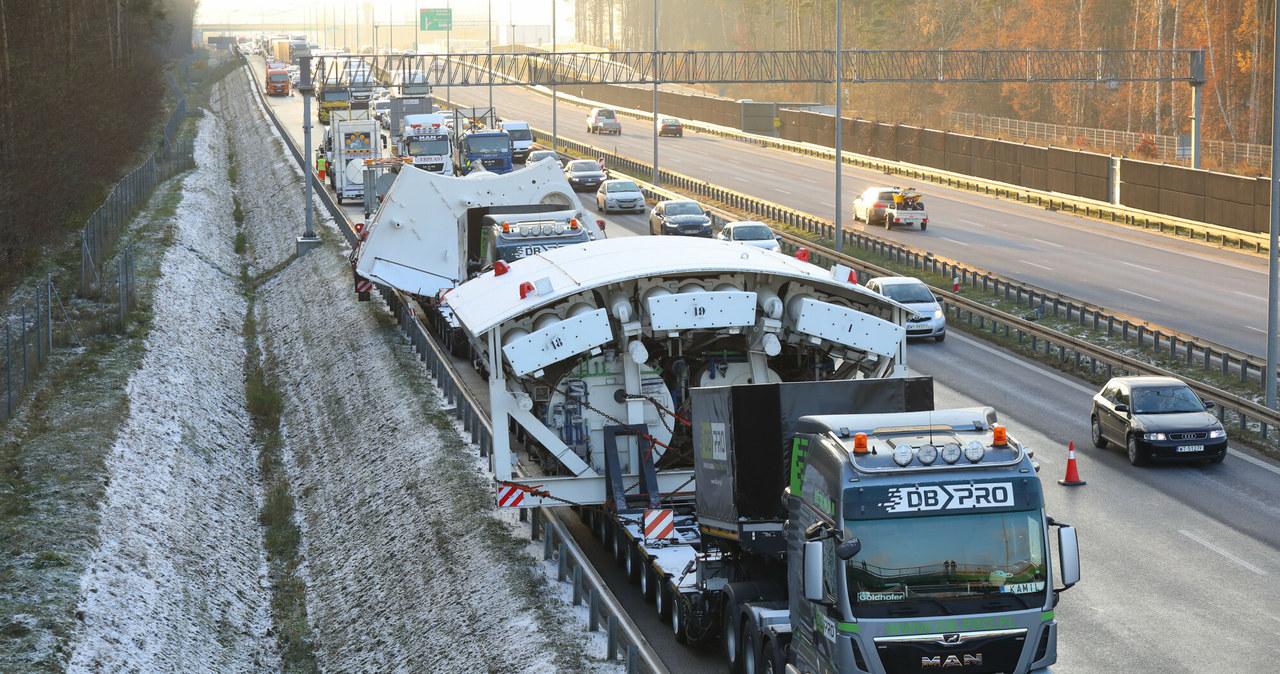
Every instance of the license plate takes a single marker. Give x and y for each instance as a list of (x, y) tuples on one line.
[(527, 251), (1191, 448)]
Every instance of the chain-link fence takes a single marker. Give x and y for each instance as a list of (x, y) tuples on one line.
[(31, 331), (1226, 155)]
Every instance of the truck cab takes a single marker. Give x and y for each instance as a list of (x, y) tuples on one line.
[(521, 138), (490, 149), (424, 140), (514, 232), (915, 541), (276, 82)]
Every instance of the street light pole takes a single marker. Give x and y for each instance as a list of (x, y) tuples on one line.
[(488, 38), (655, 93), (555, 95), (839, 135), (391, 29), (1273, 267)]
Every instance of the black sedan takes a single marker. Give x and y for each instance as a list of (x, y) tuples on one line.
[(685, 218), (584, 175), (1157, 418), (670, 126)]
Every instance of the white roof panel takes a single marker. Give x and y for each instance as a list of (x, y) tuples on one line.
[(488, 300)]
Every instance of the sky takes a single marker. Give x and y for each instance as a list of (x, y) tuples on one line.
[(254, 11)]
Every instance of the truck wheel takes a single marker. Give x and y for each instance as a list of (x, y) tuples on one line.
[(924, 226), (750, 664), (729, 639), (774, 660), (619, 548)]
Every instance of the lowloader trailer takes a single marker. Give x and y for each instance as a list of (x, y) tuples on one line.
[(741, 428)]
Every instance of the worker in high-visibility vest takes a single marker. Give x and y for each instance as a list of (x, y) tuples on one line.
[(321, 166)]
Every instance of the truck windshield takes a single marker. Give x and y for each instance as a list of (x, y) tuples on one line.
[(489, 144), (419, 148), (519, 134), (947, 564), (415, 90), (335, 95)]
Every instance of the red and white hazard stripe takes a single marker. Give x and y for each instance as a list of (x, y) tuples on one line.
[(509, 497), (659, 524), (364, 285)]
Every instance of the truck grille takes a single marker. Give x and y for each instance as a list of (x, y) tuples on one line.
[(978, 653)]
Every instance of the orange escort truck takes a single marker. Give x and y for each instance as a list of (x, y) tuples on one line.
[(277, 82)]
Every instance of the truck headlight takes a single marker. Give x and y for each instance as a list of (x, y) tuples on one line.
[(1153, 436)]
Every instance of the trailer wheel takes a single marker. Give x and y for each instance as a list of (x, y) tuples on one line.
[(680, 618), (620, 554), (648, 581), (662, 600), (634, 567)]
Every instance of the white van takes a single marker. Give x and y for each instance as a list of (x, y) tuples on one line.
[(521, 138)]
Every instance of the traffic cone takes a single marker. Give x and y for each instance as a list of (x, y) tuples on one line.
[(1073, 477)]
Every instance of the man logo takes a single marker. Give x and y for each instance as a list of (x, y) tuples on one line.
[(937, 661), (951, 638)]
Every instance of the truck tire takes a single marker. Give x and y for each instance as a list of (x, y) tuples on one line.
[(619, 547), (729, 638), (750, 645), (924, 226), (774, 660)]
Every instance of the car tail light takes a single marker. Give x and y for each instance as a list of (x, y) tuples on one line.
[(926, 220), (880, 205)]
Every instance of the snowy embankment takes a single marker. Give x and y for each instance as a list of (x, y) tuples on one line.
[(407, 563), (175, 583)]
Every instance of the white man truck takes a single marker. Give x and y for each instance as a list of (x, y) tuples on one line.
[(423, 139), (739, 428), (351, 138)]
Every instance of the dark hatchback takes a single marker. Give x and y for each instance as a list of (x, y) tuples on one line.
[(684, 218), (1156, 418), (584, 175)]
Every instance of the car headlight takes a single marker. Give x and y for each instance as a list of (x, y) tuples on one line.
[(1217, 433), (1153, 436), (937, 313)]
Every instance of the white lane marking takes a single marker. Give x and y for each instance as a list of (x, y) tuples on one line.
[(1049, 243), (1138, 266), (970, 222), (1250, 327), (779, 189), (953, 241), (1252, 297), (1036, 265), (1222, 552), (1145, 297), (979, 345)]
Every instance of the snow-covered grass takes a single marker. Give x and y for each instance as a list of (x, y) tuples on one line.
[(134, 483)]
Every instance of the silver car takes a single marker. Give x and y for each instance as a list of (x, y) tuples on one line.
[(930, 319), (619, 195), (751, 233)]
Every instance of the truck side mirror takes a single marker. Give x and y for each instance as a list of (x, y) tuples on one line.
[(1068, 556), (848, 549), (813, 571)]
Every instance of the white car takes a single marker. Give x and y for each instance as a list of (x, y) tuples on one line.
[(619, 194), (930, 321), (750, 233)]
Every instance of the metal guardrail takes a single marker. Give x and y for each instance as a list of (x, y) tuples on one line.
[(605, 612), (1171, 342)]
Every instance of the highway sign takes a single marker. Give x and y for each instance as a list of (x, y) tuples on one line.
[(436, 19)]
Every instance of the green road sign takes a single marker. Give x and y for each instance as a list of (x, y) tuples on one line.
[(436, 19)]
